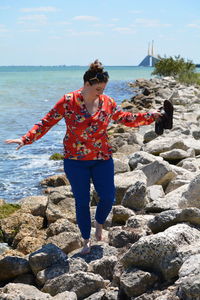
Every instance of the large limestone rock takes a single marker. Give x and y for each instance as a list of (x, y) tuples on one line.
[(55, 180), (19, 291), (135, 282), (104, 266), (171, 217), (75, 282), (60, 205), (120, 214), (158, 172), (189, 279), (45, 257), (12, 266), (163, 252), (141, 157), (191, 196), (170, 142), (12, 225), (66, 241), (135, 196), (35, 205), (125, 180)]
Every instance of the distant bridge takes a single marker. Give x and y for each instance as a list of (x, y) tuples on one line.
[(150, 59)]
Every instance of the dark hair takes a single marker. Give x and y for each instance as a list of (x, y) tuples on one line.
[(95, 73)]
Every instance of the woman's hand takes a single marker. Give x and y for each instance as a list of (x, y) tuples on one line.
[(16, 141)]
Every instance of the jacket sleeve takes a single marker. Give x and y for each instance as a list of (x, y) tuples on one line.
[(131, 119), (41, 128)]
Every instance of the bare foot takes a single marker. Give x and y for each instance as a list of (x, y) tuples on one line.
[(99, 229), (86, 247)]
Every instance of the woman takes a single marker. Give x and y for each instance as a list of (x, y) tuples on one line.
[(87, 152)]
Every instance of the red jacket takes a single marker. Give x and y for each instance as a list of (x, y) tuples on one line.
[(86, 135)]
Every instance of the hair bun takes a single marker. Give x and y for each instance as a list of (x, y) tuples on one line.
[(96, 66)]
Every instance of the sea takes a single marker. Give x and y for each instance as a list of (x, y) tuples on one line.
[(27, 93)]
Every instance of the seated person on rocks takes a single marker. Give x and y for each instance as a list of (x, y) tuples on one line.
[(87, 152)]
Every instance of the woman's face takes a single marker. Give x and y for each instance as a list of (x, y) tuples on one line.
[(95, 90)]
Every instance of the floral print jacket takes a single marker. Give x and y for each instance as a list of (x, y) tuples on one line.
[(86, 135)]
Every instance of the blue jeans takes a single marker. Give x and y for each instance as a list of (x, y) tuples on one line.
[(79, 174)]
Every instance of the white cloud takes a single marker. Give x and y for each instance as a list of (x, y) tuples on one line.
[(150, 23), (4, 7), (39, 9), (39, 19), (83, 33), (124, 30), (86, 18), (135, 12), (194, 25), (3, 28)]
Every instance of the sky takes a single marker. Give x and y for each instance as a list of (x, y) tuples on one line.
[(75, 32)]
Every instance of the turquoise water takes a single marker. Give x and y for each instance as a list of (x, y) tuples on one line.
[(26, 95)]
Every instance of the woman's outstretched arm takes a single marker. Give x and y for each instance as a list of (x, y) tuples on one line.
[(41, 128)]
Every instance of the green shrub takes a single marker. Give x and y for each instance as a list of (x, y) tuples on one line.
[(183, 71), (56, 156), (8, 209)]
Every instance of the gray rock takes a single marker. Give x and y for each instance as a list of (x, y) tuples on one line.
[(104, 267), (124, 181), (158, 172), (177, 154), (36, 205), (163, 252), (60, 205), (141, 157), (135, 282), (135, 196), (45, 257), (77, 264), (120, 237), (66, 241), (154, 192), (55, 180), (75, 282), (120, 214), (19, 291), (13, 266), (61, 225), (120, 166), (51, 272), (169, 218), (191, 196)]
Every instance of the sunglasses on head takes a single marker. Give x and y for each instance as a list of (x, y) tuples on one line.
[(100, 77)]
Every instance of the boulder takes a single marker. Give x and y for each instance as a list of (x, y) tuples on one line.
[(141, 157), (120, 214), (163, 252), (66, 241), (191, 197), (35, 205), (121, 236), (171, 217), (135, 282), (125, 180), (75, 282), (55, 180), (45, 257), (60, 205), (158, 172), (19, 291), (13, 266), (104, 266)]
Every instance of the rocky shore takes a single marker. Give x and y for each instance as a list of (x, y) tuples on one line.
[(151, 239)]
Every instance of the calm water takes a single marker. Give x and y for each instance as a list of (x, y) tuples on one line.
[(26, 95)]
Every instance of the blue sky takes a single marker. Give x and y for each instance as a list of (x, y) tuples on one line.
[(75, 32)]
